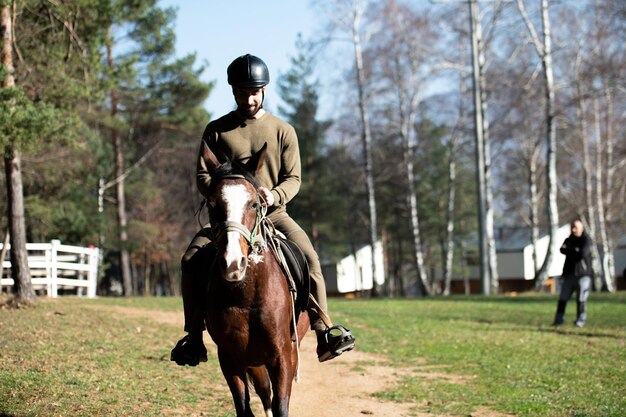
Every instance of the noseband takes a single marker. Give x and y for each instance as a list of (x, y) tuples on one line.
[(253, 237)]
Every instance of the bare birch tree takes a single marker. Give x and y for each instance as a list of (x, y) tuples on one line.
[(544, 50), (347, 15), (402, 54), (596, 73), (486, 239), (608, 58), (608, 269), (453, 146), (487, 187), (589, 219), (485, 271), (366, 133), (606, 217)]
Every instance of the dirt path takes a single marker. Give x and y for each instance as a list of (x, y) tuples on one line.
[(343, 387)]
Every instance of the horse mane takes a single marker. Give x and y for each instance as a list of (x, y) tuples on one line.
[(230, 169)]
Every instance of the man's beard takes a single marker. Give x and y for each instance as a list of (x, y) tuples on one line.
[(248, 112)]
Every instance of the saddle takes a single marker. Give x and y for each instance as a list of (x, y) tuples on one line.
[(294, 264)]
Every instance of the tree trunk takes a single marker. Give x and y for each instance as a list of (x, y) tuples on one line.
[(534, 208), (544, 52), (607, 275), (587, 168), (20, 272), (610, 173), (424, 287), (22, 284), (449, 244), (407, 109), (490, 241), (590, 221), (366, 139), (122, 221), (483, 251)]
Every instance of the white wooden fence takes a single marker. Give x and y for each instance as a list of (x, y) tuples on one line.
[(54, 266)]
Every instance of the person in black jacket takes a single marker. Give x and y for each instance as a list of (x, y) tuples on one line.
[(577, 273)]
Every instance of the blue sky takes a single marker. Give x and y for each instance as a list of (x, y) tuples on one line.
[(220, 31)]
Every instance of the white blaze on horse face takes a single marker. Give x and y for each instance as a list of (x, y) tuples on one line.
[(235, 198)]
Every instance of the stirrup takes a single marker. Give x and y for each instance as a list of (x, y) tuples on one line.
[(185, 353), (336, 340)]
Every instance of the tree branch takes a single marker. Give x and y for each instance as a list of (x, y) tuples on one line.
[(531, 28)]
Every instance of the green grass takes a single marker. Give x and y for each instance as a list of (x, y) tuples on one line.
[(72, 357), (65, 358), (508, 356)]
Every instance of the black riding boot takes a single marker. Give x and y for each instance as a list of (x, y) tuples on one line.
[(560, 312), (190, 350), (581, 314)]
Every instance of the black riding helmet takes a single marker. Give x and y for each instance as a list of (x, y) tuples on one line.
[(248, 71)]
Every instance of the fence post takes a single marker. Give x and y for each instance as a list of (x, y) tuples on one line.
[(55, 243), (80, 275), (92, 276), (48, 260)]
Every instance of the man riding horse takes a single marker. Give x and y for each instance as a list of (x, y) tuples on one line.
[(238, 135)]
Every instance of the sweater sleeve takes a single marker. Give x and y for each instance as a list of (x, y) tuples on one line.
[(289, 177), (203, 179)]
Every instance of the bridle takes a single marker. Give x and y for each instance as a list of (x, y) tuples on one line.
[(254, 237)]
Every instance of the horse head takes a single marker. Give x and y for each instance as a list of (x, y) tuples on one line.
[(234, 208)]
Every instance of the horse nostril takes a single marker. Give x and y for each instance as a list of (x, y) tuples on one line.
[(243, 263)]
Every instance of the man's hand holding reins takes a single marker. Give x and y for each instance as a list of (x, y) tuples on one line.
[(266, 196)]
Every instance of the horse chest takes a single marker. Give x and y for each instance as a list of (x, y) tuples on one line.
[(236, 325)]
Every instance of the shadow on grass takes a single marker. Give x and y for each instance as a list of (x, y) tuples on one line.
[(579, 333), (528, 298), (501, 325), (496, 299)]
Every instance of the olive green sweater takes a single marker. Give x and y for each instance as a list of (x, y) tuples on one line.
[(240, 138)]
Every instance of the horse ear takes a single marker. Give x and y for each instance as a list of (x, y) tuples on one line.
[(209, 157), (255, 162)]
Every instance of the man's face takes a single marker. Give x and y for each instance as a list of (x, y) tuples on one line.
[(249, 100), (577, 229)]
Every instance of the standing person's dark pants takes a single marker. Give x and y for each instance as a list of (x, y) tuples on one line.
[(569, 284)]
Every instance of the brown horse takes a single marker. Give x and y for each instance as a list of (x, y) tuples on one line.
[(250, 312)]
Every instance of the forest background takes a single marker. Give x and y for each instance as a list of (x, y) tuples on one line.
[(102, 123)]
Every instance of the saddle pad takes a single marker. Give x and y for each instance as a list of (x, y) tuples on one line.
[(299, 268)]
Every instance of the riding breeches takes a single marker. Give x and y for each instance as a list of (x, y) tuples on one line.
[(194, 284)]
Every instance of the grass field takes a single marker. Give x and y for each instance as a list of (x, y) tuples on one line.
[(80, 357)]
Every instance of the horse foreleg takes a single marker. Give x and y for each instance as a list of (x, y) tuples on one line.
[(263, 387), (236, 380), (281, 376)]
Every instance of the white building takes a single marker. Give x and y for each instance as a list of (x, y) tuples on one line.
[(354, 272), (514, 251)]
